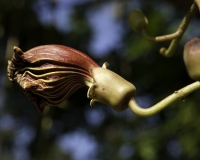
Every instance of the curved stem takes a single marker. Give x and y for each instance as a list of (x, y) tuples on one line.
[(171, 49), (197, 3), (176, 36), (183, 26), (180, 94), (163, 38)]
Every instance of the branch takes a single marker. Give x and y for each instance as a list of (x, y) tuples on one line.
[(176, 36), (183, 26), (197, 3), (163, 38), (180, 94)]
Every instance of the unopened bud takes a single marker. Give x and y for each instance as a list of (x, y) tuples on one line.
[(137, 20), (192, 58)]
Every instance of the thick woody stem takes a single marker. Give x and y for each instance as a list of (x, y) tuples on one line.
[(180, 94)]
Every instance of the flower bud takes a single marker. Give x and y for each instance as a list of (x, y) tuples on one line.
[(191, 57), (49, 74), (137, 20)]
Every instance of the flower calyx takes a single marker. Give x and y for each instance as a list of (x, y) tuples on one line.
[(111, 89)]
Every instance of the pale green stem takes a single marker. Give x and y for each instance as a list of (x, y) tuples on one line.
[(163, 38), (176, 36), (180, 94), (183, 26)]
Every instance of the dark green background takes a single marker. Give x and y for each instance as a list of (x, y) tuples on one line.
[(172, 134)]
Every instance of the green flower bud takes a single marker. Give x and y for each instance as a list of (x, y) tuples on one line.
[(191, 57), (137, 20)]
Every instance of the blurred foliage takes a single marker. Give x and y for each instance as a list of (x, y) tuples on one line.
[(172, 134)]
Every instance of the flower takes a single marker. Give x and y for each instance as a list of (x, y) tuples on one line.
[(137, 20), (49, 74), (191, 57)]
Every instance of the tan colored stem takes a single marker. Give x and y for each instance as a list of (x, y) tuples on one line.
[(197, 3), (176, 36), (180, 94), (182, 27), (163, 38)]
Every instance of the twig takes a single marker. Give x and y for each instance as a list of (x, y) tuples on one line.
[(180, 94), (176, 36)]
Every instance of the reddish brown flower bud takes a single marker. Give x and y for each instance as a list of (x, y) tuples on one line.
[(192, 58), (50, 74)]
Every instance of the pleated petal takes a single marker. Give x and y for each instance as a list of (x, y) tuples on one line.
[(49, 74)]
